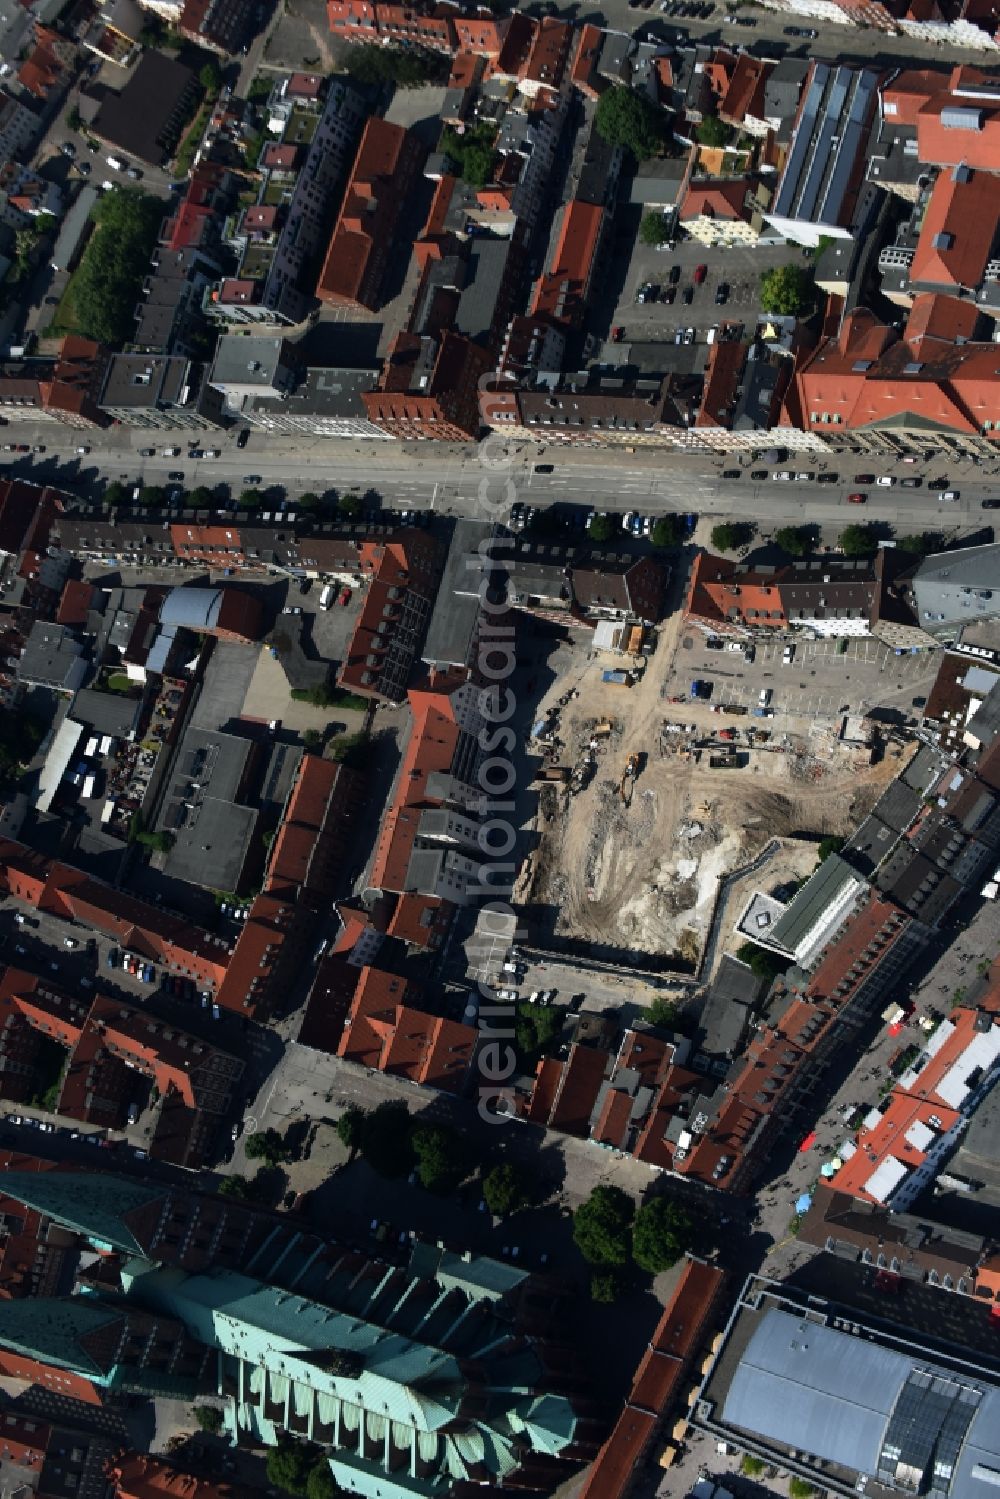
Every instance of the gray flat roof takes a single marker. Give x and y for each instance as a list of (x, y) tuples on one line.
[(452, 625), (106, 712), (141, 381), (242, 359), (211, 831), (958, 585), (325, 391)]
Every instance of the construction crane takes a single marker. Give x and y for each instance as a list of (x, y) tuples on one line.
[(628, 779)]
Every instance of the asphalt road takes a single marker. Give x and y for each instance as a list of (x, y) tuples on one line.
[(450, 479), (835, 43)]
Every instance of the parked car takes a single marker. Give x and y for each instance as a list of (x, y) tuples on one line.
[(857, 499), (700, 272), (911, 483), (732, 473), (687, 296), (674, 275), (948, 495), (722, 293), (827, 478), (864, 478), (885, 481), (758, 474)]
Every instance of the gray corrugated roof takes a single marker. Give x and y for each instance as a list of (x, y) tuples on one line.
[(816, 1389), (812, 900), (197, 608)]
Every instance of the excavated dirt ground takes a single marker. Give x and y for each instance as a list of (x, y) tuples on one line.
[(645, 875)]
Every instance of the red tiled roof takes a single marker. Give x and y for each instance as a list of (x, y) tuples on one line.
[(562, 291), (958, 230)]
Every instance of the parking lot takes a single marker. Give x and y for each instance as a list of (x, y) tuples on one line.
[(739, 267), (821, 681)]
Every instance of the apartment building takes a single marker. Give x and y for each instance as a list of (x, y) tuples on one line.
[(161, 392), (428, 388), (65, 389), (315, 130), (387, 167)]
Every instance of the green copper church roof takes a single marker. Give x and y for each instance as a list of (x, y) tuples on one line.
[(92, 1204), (53, 1329)]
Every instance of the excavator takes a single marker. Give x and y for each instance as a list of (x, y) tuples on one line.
[(628, 779)]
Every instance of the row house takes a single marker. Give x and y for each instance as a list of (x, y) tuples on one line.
[(428, 388), (109, 1043), (870, 388), (440, 28), (828, 596), (428, 844), (65, 389), (150, 932), (385, 1029), (390, 629)]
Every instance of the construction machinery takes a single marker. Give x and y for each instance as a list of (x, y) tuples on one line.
[(628, 779)]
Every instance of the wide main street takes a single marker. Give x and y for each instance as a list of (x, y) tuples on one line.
[(452, 479)]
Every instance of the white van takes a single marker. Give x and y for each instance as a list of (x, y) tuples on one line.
[(91, 747), (712, 334), (326, 597), (88, 787), (115, 163), (764, 697)]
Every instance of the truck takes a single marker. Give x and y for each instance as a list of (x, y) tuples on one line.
[(700, 689), (617, 678), (90, 748), (559, 773), (87, 789), (326, 597)]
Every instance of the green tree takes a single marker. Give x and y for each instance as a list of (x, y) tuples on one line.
[(20, 735), (601, 528), (251, 499), (473, 152), (208, 1418), (349, 506), (108, 280), (606, 1285), (660, 1235), (210, 78), (797, 541), (787, 290), (74, 119), (442, 1156), (921, 544), (667, 533), (505, 1189), (713, 132), (799, 1489), (267, 1145), (602, 1226), (312, 740), (625, 118), (652, 229), (351, 1127), (828, 846), (386, 1142), (200, 498), (321, 1483), (536, 1027), (667, 1014), (236, 1186), (289, 1465), (150, 496), (751, 1467), (160, 843), (855, 541), (350, 750), (765, 965), (115, 493), (729, 536), (377, 65), (308, 501)]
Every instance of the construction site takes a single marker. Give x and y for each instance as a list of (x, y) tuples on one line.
[(656, 814)]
